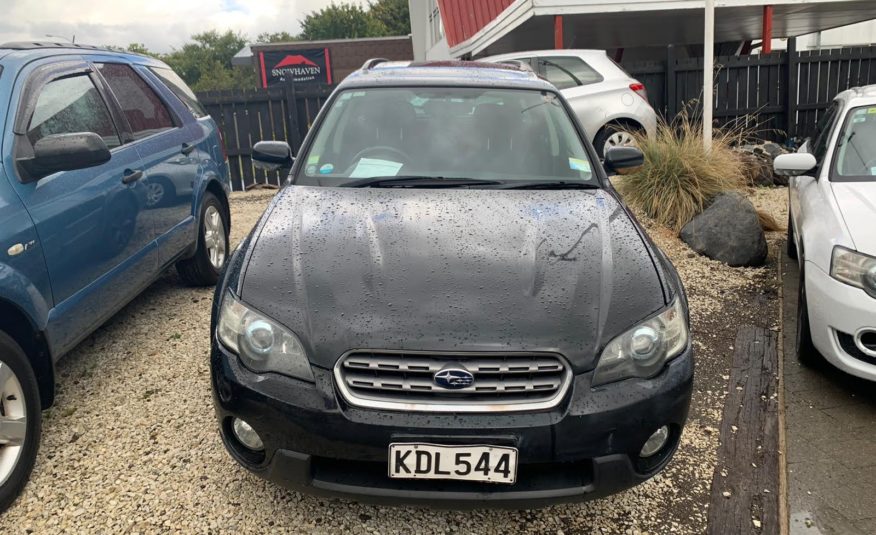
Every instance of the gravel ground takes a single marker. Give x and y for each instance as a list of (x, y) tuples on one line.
[(131, 445)]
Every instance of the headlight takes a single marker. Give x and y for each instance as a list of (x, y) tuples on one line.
[(644, 350), (262, 344), (854, 268)]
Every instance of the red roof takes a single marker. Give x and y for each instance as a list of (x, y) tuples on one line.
[(464, 18)]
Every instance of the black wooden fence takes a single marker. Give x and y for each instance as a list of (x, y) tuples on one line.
[(780, 95), (248, 116)]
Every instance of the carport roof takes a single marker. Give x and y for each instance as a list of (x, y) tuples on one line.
[(529, 24)]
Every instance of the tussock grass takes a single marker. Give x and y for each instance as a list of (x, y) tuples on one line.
[(768, 222), (679, 177)]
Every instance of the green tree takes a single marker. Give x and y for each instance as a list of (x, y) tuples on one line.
[(205, 63), (393, 14), (341, 21), (275, 37)]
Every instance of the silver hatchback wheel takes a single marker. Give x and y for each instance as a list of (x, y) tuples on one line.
[(13, 421), (619, 139), (214, 237)]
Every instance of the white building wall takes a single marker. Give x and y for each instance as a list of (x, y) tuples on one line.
[(861, 34), (427, 31)]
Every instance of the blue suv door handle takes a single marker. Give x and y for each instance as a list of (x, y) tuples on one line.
[(131, 176)]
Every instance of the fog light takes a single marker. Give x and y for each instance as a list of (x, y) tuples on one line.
[(247, 435), (655, 442)]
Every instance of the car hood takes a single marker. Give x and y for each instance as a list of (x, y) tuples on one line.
[(857, 205), (451, 270)]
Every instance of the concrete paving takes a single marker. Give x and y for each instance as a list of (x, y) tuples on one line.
[(830, 423)]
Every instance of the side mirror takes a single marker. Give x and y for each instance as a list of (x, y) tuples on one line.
[(65, 152), (622, 158), (794, 164), (272, 155)]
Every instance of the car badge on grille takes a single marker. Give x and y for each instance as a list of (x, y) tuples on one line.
[(453, 378)]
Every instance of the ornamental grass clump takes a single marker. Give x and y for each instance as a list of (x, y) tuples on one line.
[(680, 177)]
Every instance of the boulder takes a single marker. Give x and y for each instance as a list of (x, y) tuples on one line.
[(758, 163), (728, 231), (758, 170)]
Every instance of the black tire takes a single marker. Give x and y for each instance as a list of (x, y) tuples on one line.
[(792, 245), (199, 270), (806, 352), (13, 356)]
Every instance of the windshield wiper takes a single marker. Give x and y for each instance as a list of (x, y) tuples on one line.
[(414, 181), (547, 184)]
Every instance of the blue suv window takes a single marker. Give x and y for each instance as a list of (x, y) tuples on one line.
[(179, 88), (145, 111), (70, 105)]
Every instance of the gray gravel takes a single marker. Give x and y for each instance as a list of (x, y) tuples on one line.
[(131, 445)]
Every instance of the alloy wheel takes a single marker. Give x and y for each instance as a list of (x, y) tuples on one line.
[(214, 237), (619, 139), (13, 421)]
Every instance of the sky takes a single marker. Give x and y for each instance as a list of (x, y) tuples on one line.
[(159, 24)]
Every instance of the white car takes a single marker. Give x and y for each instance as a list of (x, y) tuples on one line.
[(608, 101), (832, 233)]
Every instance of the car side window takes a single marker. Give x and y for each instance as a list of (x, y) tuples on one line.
[(71, 105), (567, 71), (143, 108), (179, 88), (822, 132)]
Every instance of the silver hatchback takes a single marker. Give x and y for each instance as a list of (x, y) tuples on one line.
[(608, 101)]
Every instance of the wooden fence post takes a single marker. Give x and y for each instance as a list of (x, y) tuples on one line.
[(671, 97), (793, 60)]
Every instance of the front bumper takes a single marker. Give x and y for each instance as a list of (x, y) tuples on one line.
[(839, 310), (584, 448)]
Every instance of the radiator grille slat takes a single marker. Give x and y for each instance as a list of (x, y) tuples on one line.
[(404, 381)]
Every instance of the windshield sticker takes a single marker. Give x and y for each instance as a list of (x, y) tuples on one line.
[(313, 159), (326, 169), (579, 165), (310, 170), (371, 167), (871, 111)]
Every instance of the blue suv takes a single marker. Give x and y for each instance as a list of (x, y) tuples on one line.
[(110, 172)]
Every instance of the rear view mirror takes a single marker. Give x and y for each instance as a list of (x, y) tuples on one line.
[(622, 158), (794, 164), (65, 152), (272, 155)]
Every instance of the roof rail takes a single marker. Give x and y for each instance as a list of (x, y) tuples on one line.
[(31, 45), (373, 62), (522, 65)]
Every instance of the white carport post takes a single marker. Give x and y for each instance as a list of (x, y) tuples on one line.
[(708, 72)]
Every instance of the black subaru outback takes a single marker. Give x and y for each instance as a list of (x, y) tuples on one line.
[(448, 304)]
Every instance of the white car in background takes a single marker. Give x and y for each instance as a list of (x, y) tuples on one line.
[(608, 101), (832, 233)]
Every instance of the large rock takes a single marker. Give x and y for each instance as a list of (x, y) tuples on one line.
[(729, 231)]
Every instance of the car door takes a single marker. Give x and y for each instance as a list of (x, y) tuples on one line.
[(97, 245), (170, 156)]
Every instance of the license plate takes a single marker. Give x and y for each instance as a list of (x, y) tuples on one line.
[(493, 464)]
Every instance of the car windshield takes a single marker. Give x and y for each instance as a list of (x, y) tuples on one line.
[(856, 150), (482, 134)]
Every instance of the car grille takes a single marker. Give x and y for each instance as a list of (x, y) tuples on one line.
[(503, 382)]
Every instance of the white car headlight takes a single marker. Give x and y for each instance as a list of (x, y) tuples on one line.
[(643, 350), (854, 268), (262, 344)]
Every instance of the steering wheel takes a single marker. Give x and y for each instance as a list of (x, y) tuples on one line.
[(392, 150)]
